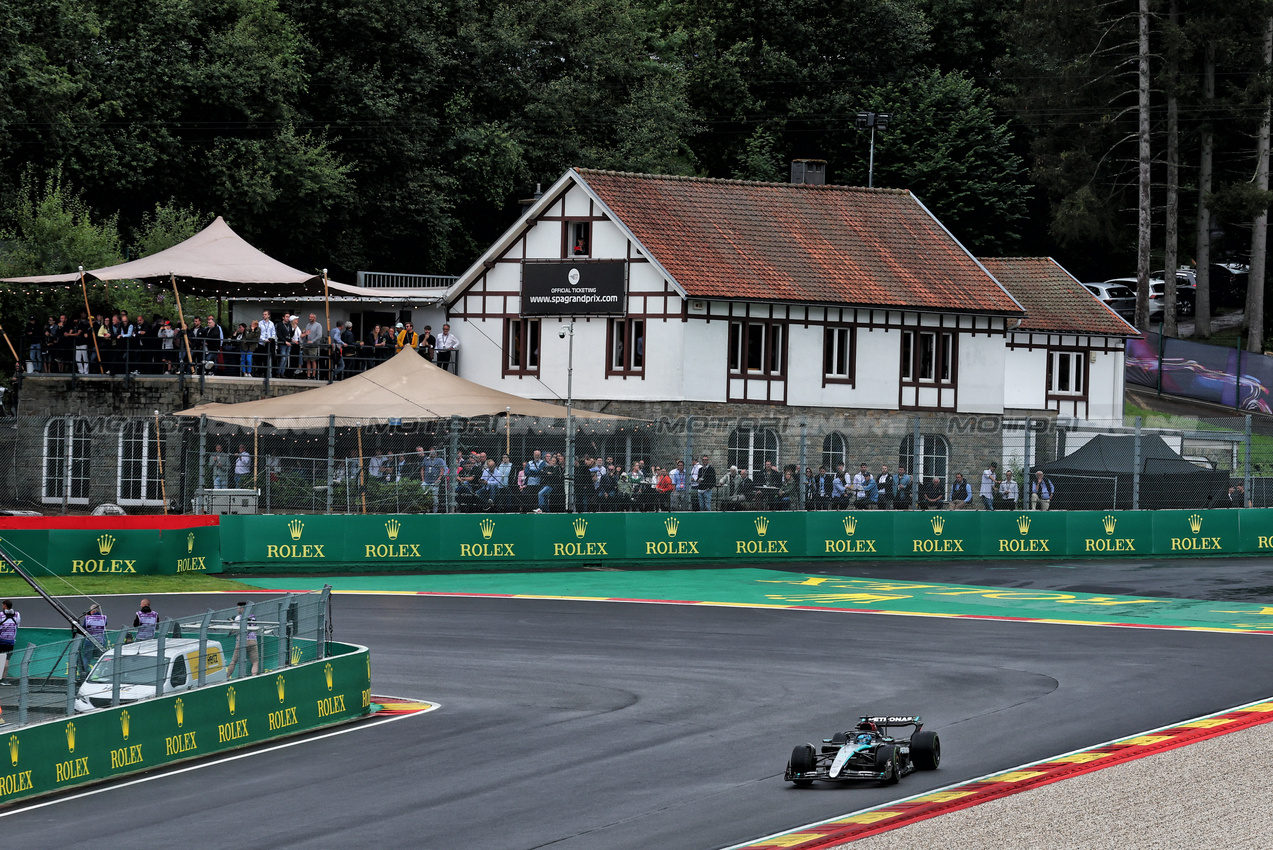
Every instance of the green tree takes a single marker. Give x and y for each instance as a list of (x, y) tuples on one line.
[(947, 146)]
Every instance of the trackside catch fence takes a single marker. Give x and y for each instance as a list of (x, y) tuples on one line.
[(60, 678)]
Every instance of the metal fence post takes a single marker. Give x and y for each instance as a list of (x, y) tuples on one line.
[(161, 670), (203, 645), (203, 450), (331, 458), (279, 630), (72, 667), (688, 456), (802, 461), (1027, 467), (24, 684), (449, 480), (1246, 463), (117, 671), (321, 638), (1135, 470)]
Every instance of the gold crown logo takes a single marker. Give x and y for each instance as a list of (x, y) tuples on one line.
[(281, 685), (229, 698), (296, 654), (392, 527), (581, 526), (1109, 521), (294, 528), (1195, 523), (938, 522), (70, 737), (488, 528), (13, 749), (762, 525), (671, 524), (328, 672), (123, 723), (1023, 524), (105, 543), (850, 525), (189, 542), (180, 707)]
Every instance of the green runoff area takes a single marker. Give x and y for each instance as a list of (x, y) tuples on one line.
[(753, 587)]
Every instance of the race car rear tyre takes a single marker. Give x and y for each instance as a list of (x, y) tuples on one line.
[(803, 761), (886, 759), (925, 751)]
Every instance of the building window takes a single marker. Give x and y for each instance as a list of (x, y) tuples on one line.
[(626, 345), (934, 457), (838, 361), (521, 346), (835, 450), (1067, 373), (66, 461), (138, 480), (578, 239), (749, 448), (928, 357), (757, 349)]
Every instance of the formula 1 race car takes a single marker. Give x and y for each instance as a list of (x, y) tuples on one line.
[(866, 752)]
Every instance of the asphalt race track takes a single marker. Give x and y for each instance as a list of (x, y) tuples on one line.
[(577, 725)]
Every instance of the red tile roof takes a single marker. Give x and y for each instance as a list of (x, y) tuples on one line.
[(795, 243), (1053, 299)]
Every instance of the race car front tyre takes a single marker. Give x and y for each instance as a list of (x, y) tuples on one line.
[(837, 740), (888, 763), (925, 751), (803, 761)]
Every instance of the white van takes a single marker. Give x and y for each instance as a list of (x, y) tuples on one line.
[(137, 663)]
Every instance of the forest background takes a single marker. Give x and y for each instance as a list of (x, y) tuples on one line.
[(400, 135)]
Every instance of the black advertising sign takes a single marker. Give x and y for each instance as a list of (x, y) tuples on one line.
[(573, 289)]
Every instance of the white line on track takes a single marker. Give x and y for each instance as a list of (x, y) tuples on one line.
[(164, 774)]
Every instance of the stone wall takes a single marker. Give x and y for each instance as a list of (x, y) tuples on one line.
[(57, 395)]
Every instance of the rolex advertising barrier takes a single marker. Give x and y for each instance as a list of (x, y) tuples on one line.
[(105, 545), (111, 742), (464, 542)]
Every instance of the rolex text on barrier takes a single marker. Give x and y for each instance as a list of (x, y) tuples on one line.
[(106, 546), (113, 742), (854, 535), (446, 542)]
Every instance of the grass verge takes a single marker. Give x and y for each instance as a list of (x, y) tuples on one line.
[(11, 586)]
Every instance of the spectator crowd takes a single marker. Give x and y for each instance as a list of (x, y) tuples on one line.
[(292, 347)]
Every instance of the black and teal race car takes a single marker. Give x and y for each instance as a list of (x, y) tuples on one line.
[(868, 751)]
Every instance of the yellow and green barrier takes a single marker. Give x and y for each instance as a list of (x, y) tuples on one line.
[(463, 542), (147, 545), (109, 743)]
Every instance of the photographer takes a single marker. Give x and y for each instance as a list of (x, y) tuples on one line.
[(9, 622)]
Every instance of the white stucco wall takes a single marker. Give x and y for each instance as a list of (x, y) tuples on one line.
[(981, 369)]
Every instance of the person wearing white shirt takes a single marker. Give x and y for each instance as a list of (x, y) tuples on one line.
[(269, 339), (447, 344), (988, 484), (1009, 490)]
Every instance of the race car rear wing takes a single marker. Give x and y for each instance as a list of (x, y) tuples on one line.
[(894, 720)]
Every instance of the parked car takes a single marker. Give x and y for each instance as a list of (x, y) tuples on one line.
[(1118, 297), (1186, 292)]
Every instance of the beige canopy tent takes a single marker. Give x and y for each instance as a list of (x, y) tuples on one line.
[(215, 261), (405, 388)]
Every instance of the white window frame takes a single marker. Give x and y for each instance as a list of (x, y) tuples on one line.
[(934, 458), (1067, 373), (757, 348), (749, 448), (138, 466), (53, 469), (833, 454)]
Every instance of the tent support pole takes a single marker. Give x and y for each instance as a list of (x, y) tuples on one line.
[(181, 317), (88, 313), (256, 454), (327, 316)]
